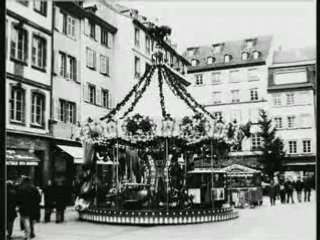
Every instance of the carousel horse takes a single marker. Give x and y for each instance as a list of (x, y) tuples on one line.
[(130, 165)]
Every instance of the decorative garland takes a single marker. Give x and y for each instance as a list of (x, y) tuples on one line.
[(128, 96), (185, 92), (139, 94), (176, 92), (160, 80)]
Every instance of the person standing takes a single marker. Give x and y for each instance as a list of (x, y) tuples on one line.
[(307, 189), (272, 193), (282, 192), (28, 200), (11, 207), (289, 190), (48, 201), (299, 187), (61, 199)]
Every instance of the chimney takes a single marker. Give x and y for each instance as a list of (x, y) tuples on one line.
[(91, 9)]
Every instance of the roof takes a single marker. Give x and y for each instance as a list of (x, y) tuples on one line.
[(261, 44), (239, 169), (206, 170), (295, 55)]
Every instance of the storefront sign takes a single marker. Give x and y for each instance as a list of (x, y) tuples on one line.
[(21, 157)]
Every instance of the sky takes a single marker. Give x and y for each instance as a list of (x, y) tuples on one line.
[(194, 23)]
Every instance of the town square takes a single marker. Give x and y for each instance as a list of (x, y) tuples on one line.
[(127, 121)]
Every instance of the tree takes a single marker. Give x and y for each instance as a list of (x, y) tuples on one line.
[(271, 147)]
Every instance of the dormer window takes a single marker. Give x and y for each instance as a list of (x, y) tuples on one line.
[(244, 56), (210, 60), (217, 48), (194, 62), (227, 58), (256, 54), (249, 44)]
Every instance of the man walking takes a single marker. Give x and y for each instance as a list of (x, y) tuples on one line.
[(48, 200), (11, 207), (272, 193), (61, 197), (299, 187), (28, 199), (307, 189), (289, 190)]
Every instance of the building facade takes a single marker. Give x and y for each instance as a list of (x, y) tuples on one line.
[(28, 89), (230, 79), (291, 89)]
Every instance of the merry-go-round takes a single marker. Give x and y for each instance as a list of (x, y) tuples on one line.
[(149, 162)]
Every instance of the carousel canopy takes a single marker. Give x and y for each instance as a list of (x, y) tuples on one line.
[(236, 169)]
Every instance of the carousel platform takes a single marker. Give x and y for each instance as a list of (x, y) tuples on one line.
[(157, 217)]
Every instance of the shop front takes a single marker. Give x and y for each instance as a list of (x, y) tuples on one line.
[(29, 156)]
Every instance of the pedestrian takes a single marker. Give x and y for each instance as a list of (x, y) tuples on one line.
[(289, 190), (49, 202), (299, 187), (28, 200), (282, 192), (307, 189), (272, 193), (61, 199), (11, 207)]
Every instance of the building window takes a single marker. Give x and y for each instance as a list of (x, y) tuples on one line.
[(254, 94), (92, 30), (278, 122), (216, 78), (217, 115), (210, 60), (235, 115), (244, 56), (216, 97), (291, 121), (249, 44), (19, 44), (256, 55), (104, 37), (292, 146), (137, 67), (306, 146), (104, 65), (194, 62), (255, 141), (290, 98), (253, 74), (305, 120), (105, 98), (23, 2), (68, 66), (92, 94), (37, 109), (235, 97), (227, 58), (148, 44), (69, 25), (40, 6), (137, 37), (254, 115), (199, 79), (147, 66), (17, 108), (91, 58), (234, 76), (217, 48), (67, 112), (276, 100), (39, 52)]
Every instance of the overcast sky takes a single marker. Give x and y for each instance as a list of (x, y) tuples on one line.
[(293, 23)]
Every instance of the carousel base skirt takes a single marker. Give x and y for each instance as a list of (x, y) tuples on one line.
[(157, 217)]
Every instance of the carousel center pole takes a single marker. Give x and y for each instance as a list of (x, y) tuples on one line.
[(212, 195), (167, 159), (117, 173)]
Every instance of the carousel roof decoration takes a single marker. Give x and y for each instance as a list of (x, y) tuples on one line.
[(137, 128)]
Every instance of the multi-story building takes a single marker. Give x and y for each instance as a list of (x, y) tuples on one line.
[(230, 79), (28, 89), (291, 91), (82, 80)]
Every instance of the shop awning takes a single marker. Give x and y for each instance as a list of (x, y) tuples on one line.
[(21, 157), (75, 152)]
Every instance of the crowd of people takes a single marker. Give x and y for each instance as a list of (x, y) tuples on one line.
[(24, 198), (284, 190)]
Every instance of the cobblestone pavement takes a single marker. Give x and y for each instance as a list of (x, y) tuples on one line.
[(290, 221)]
